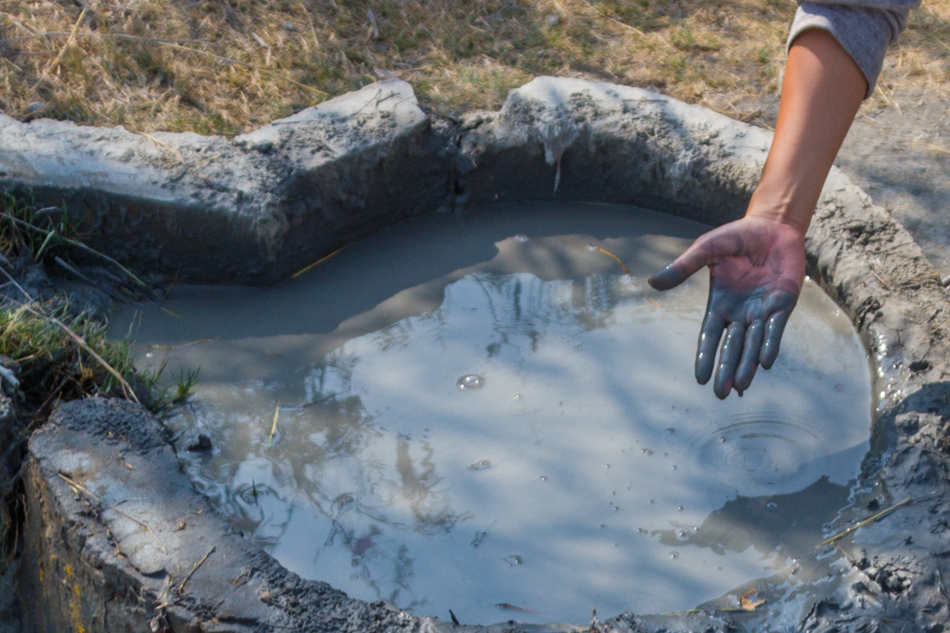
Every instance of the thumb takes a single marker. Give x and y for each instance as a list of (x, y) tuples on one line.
[(683, 267)]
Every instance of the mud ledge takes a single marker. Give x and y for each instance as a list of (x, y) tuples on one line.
[(118, 540)]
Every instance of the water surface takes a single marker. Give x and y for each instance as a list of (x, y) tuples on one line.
[(494, 410)]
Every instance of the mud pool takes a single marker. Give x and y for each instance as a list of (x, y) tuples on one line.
[(484, 412)]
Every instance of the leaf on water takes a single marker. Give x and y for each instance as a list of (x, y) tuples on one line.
[(750, 600)]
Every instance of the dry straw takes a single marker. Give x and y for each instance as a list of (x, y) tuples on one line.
[(229, 67)]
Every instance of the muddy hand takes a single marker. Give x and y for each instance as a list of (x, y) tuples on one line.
[(756, 271)]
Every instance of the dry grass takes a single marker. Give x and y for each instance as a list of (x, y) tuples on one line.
[(226, 66)]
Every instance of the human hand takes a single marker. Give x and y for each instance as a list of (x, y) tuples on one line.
[(756, 271)]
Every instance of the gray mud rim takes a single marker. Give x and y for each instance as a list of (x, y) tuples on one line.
[(102, 554)]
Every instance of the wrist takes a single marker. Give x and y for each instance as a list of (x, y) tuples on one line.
[(781, 208)]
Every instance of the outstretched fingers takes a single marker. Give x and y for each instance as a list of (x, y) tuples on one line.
[(774, 328), (729, 357), (749, 362), (709, 336)]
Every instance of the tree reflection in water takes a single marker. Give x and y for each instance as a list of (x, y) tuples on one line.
[(583, 449)]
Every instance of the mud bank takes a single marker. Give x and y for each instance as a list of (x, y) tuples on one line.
[(118, 540)]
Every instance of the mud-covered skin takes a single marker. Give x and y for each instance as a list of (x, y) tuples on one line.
[(756, 271)]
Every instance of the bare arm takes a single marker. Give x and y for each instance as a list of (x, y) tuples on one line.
[(821, 93), (757, 264)]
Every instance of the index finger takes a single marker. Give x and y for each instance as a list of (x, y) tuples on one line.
[(683, 267)]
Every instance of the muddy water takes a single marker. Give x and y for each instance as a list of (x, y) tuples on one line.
[(485, 413)]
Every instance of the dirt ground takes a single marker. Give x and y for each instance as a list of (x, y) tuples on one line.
[(900, 155)]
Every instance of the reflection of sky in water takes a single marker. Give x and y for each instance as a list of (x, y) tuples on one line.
[(585, 469)]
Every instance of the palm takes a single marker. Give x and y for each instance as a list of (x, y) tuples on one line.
[(756, 269)]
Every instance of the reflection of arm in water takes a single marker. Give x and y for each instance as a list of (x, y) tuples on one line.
[(757, 264)]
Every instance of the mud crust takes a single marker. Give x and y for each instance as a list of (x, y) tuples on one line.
[(118, 539)]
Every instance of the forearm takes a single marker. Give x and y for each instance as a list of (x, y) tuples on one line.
[(821, 93)]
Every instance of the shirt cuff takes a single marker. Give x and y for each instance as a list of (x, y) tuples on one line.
[(865, 33)]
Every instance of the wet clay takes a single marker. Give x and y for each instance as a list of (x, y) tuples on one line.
[(491, 412)]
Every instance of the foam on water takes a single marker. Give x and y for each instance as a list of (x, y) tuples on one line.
[(484, 413)]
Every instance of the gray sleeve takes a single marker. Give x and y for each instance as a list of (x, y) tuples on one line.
[(864, 29)]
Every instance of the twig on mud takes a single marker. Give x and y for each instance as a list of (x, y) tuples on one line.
[(78, 487), (81, 246), (846, 555), (869, 520), (273, 428), (319, 261), (181, 587), (880, 279)]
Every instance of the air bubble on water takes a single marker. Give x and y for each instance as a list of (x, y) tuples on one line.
[(646, 451), (680, 508), (640, 530), (591, 247), (470, 381), (771, 505), (149, 354), (513, 559), (723, 439), (674, 466), (521, 237), (674, 555)]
